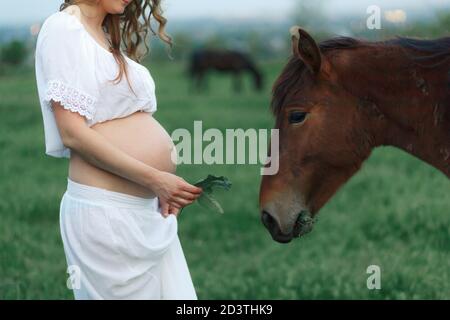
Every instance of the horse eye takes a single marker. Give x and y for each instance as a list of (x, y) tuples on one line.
[(297, 116)]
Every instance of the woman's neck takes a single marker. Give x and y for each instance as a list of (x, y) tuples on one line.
[(92, 15)]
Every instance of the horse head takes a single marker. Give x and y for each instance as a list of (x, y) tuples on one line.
[(321, 140)]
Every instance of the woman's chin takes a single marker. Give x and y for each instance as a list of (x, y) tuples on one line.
[(119, 9)]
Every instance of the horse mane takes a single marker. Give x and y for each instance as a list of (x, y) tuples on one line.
[(426, 51)]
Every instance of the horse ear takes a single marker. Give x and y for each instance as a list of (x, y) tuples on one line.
[(304, 46)]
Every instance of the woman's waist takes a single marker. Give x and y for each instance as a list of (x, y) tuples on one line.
[(103, 196), (83, 172)]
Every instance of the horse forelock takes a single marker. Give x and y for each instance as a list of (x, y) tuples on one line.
[(287, 79)]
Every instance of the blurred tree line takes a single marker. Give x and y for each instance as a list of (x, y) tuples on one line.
[(13, 55), (261, 39), (266, 44)]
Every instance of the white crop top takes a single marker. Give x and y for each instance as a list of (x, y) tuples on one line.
[(72, 68)]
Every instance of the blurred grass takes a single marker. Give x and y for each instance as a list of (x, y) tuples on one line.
[(394, 213)]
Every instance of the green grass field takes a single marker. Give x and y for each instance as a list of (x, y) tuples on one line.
[(395, 213)]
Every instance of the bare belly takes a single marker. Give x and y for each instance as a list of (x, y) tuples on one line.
[(140, 136)]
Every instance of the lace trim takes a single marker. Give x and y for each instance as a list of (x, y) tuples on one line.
[(71, 98)]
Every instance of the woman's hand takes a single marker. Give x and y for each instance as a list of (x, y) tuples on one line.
[(166, 209), (174, 192)]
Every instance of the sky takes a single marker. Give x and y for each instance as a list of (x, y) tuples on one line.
[(31, 11)]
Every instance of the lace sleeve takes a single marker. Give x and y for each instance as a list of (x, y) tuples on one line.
[(71, 98)]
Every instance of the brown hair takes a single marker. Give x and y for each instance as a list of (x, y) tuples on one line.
[(128, 31)]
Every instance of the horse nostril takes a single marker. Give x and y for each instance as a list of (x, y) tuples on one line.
[(272, 226), (268, 220)]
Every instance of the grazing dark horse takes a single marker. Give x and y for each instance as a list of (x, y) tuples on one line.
[(203, 61), (335, 102)]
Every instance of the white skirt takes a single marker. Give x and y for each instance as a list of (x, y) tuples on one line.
[(119, 246)]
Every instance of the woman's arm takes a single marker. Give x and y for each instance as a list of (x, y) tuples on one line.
[(100, 152)]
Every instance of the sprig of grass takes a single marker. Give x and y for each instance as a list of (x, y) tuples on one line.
[(209, 184)]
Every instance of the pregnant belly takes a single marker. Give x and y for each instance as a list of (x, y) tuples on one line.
[(140, 136)]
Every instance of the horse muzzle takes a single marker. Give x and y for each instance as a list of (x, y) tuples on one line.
[(303, 225)]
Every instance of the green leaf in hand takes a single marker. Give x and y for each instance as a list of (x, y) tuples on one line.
[(208, 185), (208, 201), (211, 182)]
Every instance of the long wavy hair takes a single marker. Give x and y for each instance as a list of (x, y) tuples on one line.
[(129, 31)]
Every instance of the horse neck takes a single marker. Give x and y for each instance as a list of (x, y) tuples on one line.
[(406, 105)]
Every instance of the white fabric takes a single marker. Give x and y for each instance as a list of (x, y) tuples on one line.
[(74, 69), (122, 246)]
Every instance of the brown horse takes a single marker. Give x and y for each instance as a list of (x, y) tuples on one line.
[(335, 102), (225, 61)]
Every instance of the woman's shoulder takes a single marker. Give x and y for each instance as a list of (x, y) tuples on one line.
[(61, 22)]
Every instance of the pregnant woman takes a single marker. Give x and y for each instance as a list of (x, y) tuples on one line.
[(118, 216)]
